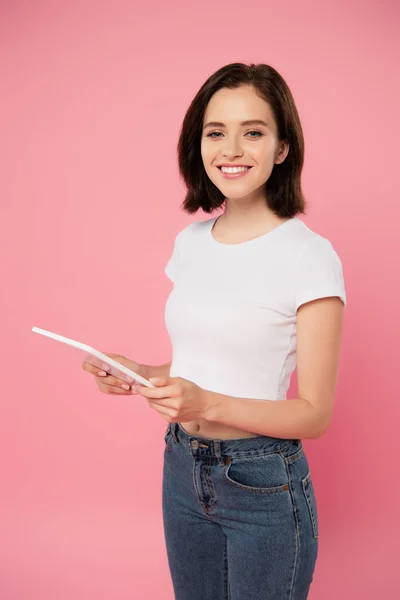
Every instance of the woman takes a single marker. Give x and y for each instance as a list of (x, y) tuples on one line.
[(255, 290)]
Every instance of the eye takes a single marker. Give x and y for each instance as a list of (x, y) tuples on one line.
[(257, 132), (218, 133)]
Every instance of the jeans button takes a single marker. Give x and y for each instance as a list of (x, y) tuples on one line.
[(194, 443)]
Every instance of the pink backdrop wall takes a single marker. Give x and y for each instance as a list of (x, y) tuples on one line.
[(93, 95)]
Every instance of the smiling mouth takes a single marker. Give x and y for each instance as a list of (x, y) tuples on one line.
[(238, 169), (233, 173)]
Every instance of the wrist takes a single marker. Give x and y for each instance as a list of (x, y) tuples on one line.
[(212, 402)]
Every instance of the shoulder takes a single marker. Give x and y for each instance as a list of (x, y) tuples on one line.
[(318, 269), (194, 229), (310, 243)]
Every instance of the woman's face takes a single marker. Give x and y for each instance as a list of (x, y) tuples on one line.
[(228, 140)]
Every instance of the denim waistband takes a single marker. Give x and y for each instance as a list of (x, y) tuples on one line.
[(251, 446)]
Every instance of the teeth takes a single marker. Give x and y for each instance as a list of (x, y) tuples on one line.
[(233, 169)]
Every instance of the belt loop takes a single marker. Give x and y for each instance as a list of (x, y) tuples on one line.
[(217, 449)]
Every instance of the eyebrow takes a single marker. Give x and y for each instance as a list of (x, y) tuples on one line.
[(251, 122)]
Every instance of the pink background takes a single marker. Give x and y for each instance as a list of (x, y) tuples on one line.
[(93, 95)]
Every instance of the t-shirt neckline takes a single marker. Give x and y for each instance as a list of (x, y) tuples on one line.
[(257, 239)]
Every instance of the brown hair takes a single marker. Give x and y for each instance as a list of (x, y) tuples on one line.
[(283, 188)]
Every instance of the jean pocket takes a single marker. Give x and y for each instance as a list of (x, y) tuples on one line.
[(309, 494), (265, 474)]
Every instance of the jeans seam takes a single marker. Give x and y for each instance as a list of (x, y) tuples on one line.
[(226, 570), (304, 484), (205, 468), (297, 531), (255, 454), (167, 439), (175, 434), (202, 505), (293, 457), (210, 486)]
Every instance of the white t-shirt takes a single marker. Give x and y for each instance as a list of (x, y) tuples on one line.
[(231, 315)]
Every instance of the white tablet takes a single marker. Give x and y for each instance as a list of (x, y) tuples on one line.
[(97, 359)]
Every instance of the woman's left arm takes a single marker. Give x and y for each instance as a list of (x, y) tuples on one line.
[(319, 333)]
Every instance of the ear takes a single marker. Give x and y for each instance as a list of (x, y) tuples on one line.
[(282, 153)]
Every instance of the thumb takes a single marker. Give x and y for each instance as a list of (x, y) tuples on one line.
[(159, 381)]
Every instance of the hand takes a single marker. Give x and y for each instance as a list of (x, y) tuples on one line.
[(110, 384), (176, 399)]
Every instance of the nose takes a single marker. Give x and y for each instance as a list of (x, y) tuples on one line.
[(232, 148)]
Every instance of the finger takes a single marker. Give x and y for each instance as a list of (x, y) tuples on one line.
[(164, 413), (156, 393), (109, 389), (115, 382), (92, 364), (97, 367), (96, 370), (165, 405), (93, 369), (159, 381)]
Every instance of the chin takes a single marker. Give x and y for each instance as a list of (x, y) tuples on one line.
[(236, 192)]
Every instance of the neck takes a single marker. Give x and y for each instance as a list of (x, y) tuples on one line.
[(248, 213)]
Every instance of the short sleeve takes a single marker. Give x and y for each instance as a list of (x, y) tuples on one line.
[(319, 273), (171, 268)]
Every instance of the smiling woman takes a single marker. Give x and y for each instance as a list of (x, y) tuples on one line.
[(235, 139), (249, 105), (255, 289)]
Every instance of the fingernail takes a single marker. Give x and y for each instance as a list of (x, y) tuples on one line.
[(102, 373), (129, 378), (125, 386)]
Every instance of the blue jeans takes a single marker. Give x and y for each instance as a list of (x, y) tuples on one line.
[(240, 517)]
